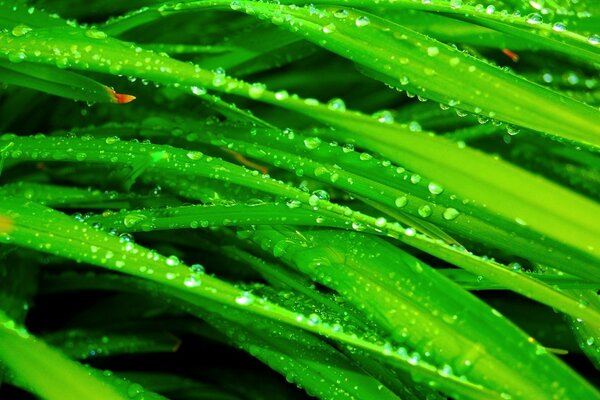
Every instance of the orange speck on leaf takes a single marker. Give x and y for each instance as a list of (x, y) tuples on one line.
[(243, 160), (6, 224), (510, 54)]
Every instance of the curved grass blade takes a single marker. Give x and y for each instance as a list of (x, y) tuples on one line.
[(47, 372), (463, 170), (193, 163), (58, 82), (75, 240), (487, 356)]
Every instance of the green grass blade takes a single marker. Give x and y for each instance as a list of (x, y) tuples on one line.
[(47, 372)]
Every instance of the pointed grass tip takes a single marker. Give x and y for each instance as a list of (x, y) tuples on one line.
[(120, 98)]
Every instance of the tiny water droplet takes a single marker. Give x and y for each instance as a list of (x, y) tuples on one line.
[(95, 34), (245, 299), (172, 261), (340, 14), (362, 21), (329, 28), (312, 142), (450, 213), (435, 188), (194, 155), (401, 201), (424, 211), (336, 104), (21, 30), (317, 195), (433, 51), (534, 19)]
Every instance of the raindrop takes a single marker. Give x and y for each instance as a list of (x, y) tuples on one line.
[(534, 19), (131, 220), (340, 14), (424, 211), (21, 30), (312, 142), (172, 261), (362, 21), (198, 91), (455, 4), (450, 213), (594, 39), (401, 201), (329, 28), (192, 281), (433, 51), (256, 90), (380, 222), (194, 155), (245, 299), (336, 104), (316, 196), (95, 34), (435, 188), (293, 203)]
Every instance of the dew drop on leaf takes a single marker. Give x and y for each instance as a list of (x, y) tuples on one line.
[(362, 21)]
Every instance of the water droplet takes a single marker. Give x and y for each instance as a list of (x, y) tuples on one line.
[(520, 221), (112, 139), (358, 226), (192, 280), (433, 51), (245, 299), (329, 28), (281, 95), (590, 341), (336, 104), (384, 117), (424, 211), (172, 261), (559, 27), (256, 90), (134, 390), (131, 220), (534, 19), (198, 91), (512, 130), (293, 203), (450, 213), (594, 39), (455, 4), (95, 34), (380, 222), (414, 126), (312, 142), (362, 21), (340, 13), (435, 188), (235, 5), (415, 178), (401, 201), (316, 196), (21, 30), (194, 155)]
